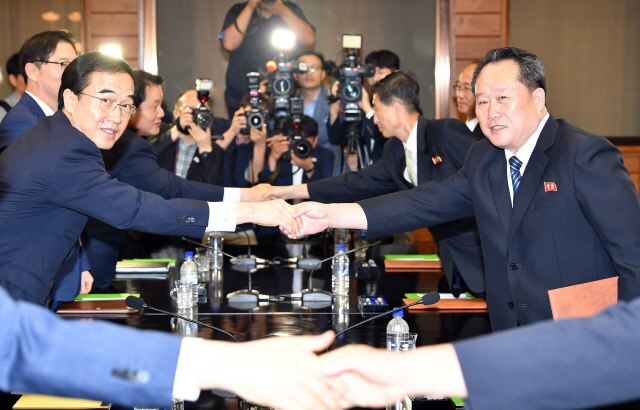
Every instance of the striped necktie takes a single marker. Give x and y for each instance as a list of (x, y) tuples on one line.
[(515, 164)]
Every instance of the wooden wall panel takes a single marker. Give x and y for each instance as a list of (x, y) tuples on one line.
[(473, 48), (129, 45), (113, 6), (479, 6), (478, 24), (114, 24)]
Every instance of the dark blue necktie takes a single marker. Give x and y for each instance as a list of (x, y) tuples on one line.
[(515, 164)]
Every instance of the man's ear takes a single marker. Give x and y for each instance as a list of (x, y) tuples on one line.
[(32, 71), (69, 99), (12, 80), (540, 98)]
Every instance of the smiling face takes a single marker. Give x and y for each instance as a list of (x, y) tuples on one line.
[(508, 113), (85, 114), (148, 117)]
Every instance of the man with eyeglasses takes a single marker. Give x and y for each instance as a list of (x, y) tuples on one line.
[(465, 100), (52, 178)]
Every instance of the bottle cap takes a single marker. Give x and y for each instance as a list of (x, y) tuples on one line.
[(399, 312), (340, 248), (188, 255)]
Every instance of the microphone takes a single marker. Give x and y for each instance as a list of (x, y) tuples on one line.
[(320, 295), (137, 303), (428, 299), (248, 259), (244, 296)]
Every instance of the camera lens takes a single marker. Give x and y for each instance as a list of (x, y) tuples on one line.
[(204, 119), (255, 120), (281, 85), (302, 148), (351, 92)]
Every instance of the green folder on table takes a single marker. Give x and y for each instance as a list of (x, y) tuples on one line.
[(106, 296), (411, 263)]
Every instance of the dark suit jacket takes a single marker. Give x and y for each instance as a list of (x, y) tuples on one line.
[(458, 241), (322, 160), (586, 228), (23, 116), (132, 160), (569, 364), (52, 179), (42, 353), (478, 131)]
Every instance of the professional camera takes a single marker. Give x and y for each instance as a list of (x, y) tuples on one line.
[(256, 117), (202, 115), (298, 142)]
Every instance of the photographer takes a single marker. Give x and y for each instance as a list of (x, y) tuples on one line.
[(246, 35), (188, 150), (245, 146), (296, 170), (385, 63)]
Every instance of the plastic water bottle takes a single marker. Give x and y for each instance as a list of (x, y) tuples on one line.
[(397, 332), (340, 278), (341, 237), (189, 273)]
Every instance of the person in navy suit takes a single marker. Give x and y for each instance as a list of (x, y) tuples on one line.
[(438, 149), (569, 364), (43, 353), (555, 204), (52, 178), (465, 101)]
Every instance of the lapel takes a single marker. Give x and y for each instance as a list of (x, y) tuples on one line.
[(33, 106), (532, 174), (424, 164), (500, 190)]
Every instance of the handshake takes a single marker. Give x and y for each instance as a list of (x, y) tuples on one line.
[(286, 373)]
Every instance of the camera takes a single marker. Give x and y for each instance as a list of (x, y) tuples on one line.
[(202, 115), (298, 142), (282, 85), (256, 117)]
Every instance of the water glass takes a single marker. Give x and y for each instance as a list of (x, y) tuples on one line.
[(183, 293), (204, 265)]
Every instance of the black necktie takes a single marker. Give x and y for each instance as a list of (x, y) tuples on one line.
[(515, 164)]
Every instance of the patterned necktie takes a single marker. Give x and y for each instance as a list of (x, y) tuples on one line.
[(410, 168), (515, 164)]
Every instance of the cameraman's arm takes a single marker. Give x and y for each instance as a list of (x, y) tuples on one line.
[(232, 37), (305, 36), (335, 107), (238, 122), (279, 144), (259, 139)]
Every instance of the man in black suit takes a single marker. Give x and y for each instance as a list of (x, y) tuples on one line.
[(465, 100), (555, 204), (437, 150)]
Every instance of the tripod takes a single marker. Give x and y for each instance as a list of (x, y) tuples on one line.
[(353, 134)]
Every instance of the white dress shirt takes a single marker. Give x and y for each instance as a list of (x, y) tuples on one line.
[(45, 108), (412, 146), (471, 124)]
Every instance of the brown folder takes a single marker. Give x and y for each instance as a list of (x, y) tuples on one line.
[(95, 307), (450, 304), (585, 299), (399, 265)]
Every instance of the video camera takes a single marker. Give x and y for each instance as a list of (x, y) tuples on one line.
[(298, 143), (256, 117), (202, 115)]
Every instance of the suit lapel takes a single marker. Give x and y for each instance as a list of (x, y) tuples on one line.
[(34, 107), (500, 190), (424, 166), (532, 174)]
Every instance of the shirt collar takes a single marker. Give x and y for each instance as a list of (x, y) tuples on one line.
[(524, 153), (45, 108), (471, 124), (412, 141)]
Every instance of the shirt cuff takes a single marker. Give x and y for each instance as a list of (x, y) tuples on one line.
[(231, 195), (222, 217), (184, 383)]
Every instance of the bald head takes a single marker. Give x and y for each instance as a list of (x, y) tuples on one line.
[(464, 96)]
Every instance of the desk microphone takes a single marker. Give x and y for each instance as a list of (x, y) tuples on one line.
[(319, 295), (428, 299), (137, 303), (244, 296)]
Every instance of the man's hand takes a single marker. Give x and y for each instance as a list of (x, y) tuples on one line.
[(286, 192), (270, 213), (314, 216), (279, 144), (201, 137), (238, 122), (294, 381), (276, 8), (256, 193), (185, 117), (86, 281), (364, 103), (306, 164), (258, 136)]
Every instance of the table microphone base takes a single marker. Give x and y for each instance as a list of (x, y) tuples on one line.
[(316, 295), (244, 296)]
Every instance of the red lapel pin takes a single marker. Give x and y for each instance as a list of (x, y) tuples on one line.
[(436, 159), (550, 186)]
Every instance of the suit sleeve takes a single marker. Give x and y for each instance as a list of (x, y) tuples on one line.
[(610, 200), (581, 363), (42, 353), (368, 182), (137, 167), (211, 165), (89, 190), (427, 204), (13, 126)]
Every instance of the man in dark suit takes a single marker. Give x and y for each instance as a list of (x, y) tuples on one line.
[(555, 205), (569, 364), (437, 150), (43, 353), (465, 100), (52, 179)]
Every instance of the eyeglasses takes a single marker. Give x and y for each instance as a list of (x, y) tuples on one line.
[(458, 88), (108, 105), (62, 64)]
